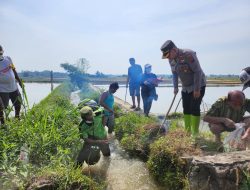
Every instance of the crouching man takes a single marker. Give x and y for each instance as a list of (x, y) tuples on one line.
[(94, 135), (227, 111)]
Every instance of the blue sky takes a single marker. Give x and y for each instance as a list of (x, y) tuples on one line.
[(39, 35)]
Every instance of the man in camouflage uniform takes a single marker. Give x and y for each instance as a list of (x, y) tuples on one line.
[(185, 65), (227, 111)]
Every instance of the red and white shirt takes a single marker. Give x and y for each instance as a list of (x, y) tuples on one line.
[(7, 77)]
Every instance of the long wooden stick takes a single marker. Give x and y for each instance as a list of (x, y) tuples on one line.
[(177, 105), (126, 93)]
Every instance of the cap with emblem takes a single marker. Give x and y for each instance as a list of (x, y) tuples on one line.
[(166, 47), (245, 77), (86, 110)]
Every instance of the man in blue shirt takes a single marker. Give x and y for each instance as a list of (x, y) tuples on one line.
[(134, 78)]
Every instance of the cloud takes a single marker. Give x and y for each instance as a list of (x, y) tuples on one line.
[(40, 35)]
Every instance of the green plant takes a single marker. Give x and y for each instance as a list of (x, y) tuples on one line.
[(165, 162), (134, 138), (246, 181), (58, 176), (131, 123), (50, 133)]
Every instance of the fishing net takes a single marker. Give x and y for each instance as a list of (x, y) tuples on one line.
[(233, 141)]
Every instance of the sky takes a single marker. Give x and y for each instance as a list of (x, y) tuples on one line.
[(40, 35)]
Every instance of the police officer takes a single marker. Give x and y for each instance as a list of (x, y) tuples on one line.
[(185, 65)]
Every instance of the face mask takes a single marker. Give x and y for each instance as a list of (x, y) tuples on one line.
[(148, 70), (88, 122), (1, 57)]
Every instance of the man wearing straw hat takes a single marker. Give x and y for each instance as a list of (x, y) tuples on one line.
[(185, 65), (8, 85)]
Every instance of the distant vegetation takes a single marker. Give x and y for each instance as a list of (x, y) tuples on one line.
[(101, 78)]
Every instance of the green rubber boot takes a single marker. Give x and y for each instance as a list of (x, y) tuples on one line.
[(195, 123), (187, 122)]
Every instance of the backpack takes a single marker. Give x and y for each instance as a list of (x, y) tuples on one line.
[(91, 103)]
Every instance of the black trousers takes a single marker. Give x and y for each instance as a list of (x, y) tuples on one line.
[(90, 153), (15, 98), (190, 104)]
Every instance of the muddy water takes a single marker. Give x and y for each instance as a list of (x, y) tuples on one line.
[(122, 172), (119, 171)]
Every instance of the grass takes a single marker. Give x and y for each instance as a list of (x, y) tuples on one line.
[(163, 154), (62, 177), (246, 181), (50, 134), (165, 161)]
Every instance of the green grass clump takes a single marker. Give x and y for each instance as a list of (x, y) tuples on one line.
[(49, 132), (62, 177), (165, 162), (47, 129), (131, 123), (129, 129), (246, 181)]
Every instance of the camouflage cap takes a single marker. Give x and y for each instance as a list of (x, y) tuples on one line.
[(86, 110)]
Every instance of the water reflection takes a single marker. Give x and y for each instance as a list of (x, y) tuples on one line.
[(37, 91), (165, 96)]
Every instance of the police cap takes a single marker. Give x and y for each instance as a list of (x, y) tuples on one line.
[(166, 47)]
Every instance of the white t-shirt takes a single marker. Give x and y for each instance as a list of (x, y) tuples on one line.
[(7, 77)]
